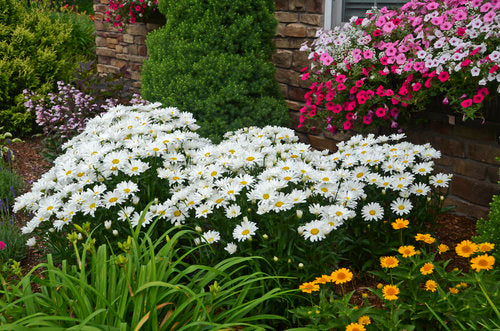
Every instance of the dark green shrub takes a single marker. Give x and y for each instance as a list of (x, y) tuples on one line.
[(37, 49), (212, 58)]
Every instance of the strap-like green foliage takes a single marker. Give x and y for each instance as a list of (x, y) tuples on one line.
[(212, 58), (36, 50)]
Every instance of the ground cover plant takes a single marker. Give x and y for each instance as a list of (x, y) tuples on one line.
[(377, 70), (37, 49), (147, 285), (416, 291), (258, 192), (215, 63)]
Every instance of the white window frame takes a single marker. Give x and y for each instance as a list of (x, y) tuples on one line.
[(333, 13)]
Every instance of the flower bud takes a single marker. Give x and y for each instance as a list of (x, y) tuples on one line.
[(441, 198), (299, 213), (107, 225), (115, 233), (265, 236), (198, 229), (301, 265), (275, 259), (135, 200)]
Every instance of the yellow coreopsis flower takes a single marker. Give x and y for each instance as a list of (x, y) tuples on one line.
[(389, 262), (482, 262), (486, 247), (427, 269), (390, 292), (431, 285), (407, 251), (466, 248), (341, 276), (364, 320), (309, 287), (355, 327), (442, 248), (453, 290), (400, 224)]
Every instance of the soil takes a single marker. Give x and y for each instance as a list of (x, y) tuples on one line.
[(450, 229)]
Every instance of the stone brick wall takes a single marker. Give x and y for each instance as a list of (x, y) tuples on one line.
[(298, 22), (115, 49)]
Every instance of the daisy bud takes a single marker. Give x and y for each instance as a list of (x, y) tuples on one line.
[(245, 219), (249, 210), (383, 192), (301, 265), (309, 312), (80, 237), (197, 241), (51, 230), (156, 201), (115, 233), (135, 200), (317, 311), (107, 225), (429, 199), (265, 236), (289, 261), (198, 229), (441, 198), (153, 208), (250, 238), (299, 214), (275, 259)]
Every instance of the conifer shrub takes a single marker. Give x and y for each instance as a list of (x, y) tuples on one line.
[(212, 58), (37, 49)]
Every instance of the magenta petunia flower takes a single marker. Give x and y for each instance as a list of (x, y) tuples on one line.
[(380, 112), (466, 103), (2, 245)]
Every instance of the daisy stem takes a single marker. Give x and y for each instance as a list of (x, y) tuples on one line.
[(486, 295), (401, 237)]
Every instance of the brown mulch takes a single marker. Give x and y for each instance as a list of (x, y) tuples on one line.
[(30, 165)]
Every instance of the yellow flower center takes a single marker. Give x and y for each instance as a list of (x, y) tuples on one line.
[(314, 231), (113, 199), (115, 161), (177, 213), (245, 232)]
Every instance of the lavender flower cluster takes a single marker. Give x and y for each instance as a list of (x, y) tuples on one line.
[(66, 112)]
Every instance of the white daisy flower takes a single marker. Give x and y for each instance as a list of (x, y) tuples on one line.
[(211, 236), (244, 230), (401, 206), (440, 180), (231, 248), (233, 211), (314, 231), (372, 212)]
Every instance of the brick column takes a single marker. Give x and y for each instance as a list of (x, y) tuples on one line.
[(298, 22), (116, 49)]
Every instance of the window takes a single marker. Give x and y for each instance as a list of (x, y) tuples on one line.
[(339, 11)]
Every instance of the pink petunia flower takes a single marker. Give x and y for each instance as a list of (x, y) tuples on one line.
[(443, 76), (305, 76), (367, 119), (380, 112), (490, 16), (2, 245), (466, 103), (326, 59), (478, 98), (347, 125)]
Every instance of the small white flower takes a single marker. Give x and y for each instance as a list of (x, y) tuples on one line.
[(401, 206), (115, 233), (231, 248), (31, 242), (315, 231), (211, 236), (372, 212), (107, 225), (244, 230)]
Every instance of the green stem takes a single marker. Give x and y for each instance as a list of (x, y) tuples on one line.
[(487, 296)]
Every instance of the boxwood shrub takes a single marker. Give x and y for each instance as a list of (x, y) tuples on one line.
[(212, 58)]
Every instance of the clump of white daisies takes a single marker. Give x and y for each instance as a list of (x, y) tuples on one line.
[(231, 192)]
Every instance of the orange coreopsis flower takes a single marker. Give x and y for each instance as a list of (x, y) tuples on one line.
[(431, 285), (355, 327), (390, 292), (407, 251), (466, 248), (482, 262), (341, 276), (427, 269), (442, 248), (486, 247), (309, 287), (453, 290), (400, 224)]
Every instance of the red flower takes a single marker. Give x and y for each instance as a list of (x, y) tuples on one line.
[(347, 125), (461, 31), (367, 119), (493, 69), (359, 21), (305, 76), (478, 98), (465, 63), (380, 112), (377, 33), (416, 86), (443, 76), (466, 103)]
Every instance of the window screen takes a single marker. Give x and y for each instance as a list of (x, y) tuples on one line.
[(359, 7)]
